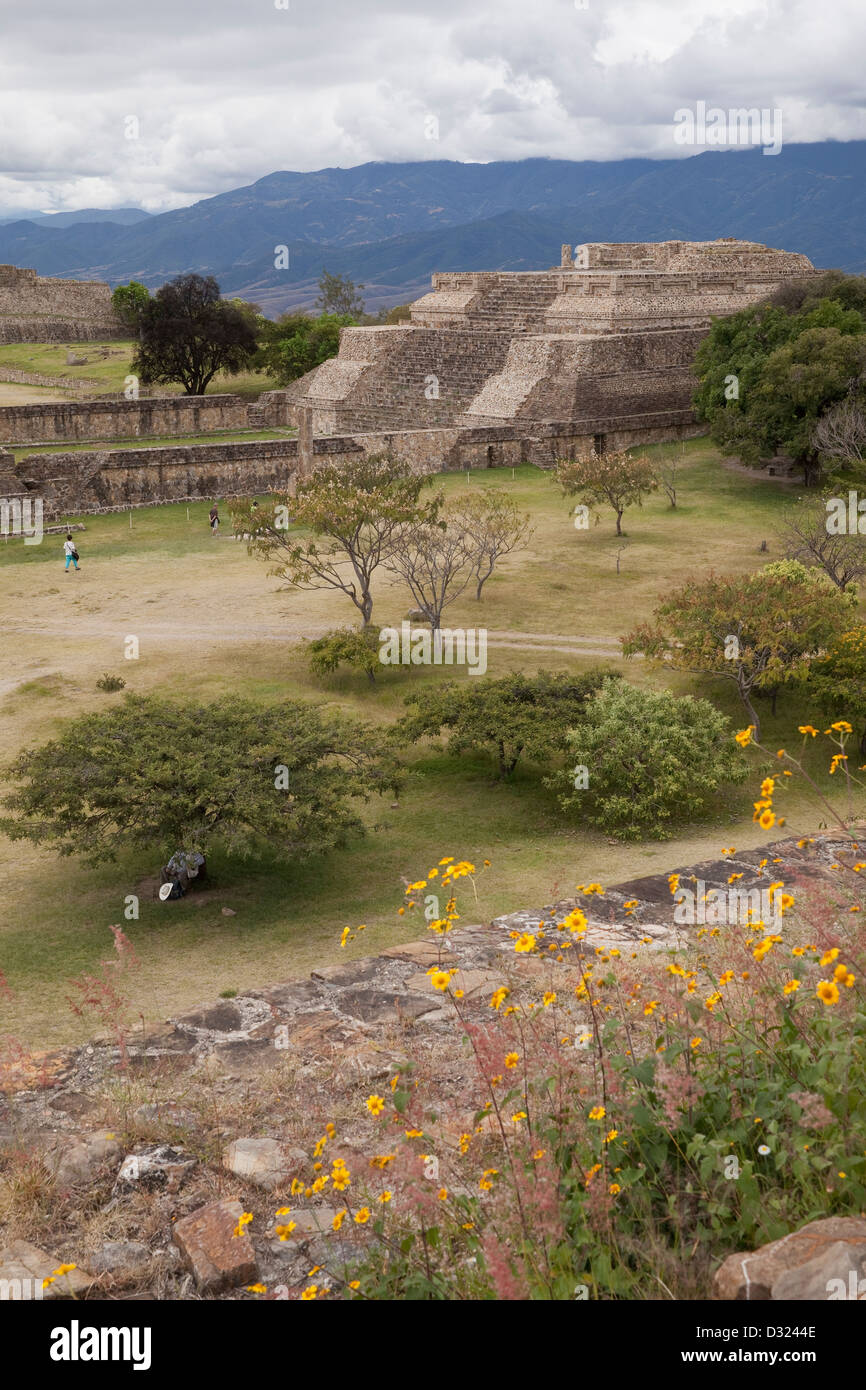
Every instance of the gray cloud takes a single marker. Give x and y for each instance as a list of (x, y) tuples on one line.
[(225, 91)]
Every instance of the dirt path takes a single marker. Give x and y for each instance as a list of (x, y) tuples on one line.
[(259, 632), (15, 393)]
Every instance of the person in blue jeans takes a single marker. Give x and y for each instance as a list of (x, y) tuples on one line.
[(70, 551)]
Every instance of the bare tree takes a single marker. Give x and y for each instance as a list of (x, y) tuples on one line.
[(669, 473), (805, 536), (353, 517), (493, 526), (623, 545), (436, 563), (840, 435)]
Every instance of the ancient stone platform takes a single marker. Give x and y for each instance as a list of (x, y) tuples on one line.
[(606, 337)]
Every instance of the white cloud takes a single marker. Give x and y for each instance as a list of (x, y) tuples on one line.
[(226, 91)]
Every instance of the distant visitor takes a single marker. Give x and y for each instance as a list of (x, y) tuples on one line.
[(70, 551)]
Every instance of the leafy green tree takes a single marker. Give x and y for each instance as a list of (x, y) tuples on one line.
[(187, 333), (297, 343), (649, 760), (346, 646), (800, 381), (770, 372), (157, 774), (509, 717), (837, 681), (355, 513), (252, 312), (760, 630), (129, 301), (803, 295), (615, 478), (339, 295)]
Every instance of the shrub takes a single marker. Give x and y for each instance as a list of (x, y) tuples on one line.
[(627, 1118), (154, 773), (650, 760), (506, 717), (110, 683), (349, 646)]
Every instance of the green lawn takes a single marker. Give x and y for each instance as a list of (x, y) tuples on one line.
[(211, 619), (108, 363)]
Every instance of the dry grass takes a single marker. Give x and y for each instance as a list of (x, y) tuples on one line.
[(209, 619)]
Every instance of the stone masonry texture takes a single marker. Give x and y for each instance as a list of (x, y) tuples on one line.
[(75, 421), (612, 334), (37, 309)]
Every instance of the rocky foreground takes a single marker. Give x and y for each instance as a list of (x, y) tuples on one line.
[(138, 1170)]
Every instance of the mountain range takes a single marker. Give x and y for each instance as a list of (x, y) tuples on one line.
[(389, 226), (125, 216)]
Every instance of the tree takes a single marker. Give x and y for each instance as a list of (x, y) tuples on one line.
[(436, 562), (154, 774), (348, 646), (758, 630), (837, 681), (297, 343), (806, 537), (357, 513), (800, 381), (188, 333), (129, 301), (252, 312), (669, 477), (768, 373), (615, 477), (493, 525), (839, 436), (796, 296), (506, 717), (651, 759), (339, 295), (729, 363)]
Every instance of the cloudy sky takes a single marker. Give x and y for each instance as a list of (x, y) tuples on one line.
[(105, 103)]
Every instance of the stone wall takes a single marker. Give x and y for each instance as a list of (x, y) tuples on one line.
[(59, 383), (42, 309), (108, 480), (119, 418)]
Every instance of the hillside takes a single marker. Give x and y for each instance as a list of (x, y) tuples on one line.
[(391, 225)]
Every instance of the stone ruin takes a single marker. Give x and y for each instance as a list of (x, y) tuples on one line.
[(605, 341), (38, 309)]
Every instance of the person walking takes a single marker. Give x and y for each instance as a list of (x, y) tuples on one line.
[(70, 551), (214, 519)]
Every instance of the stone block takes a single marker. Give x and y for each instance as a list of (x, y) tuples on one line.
[(217, 1258), (23, 1267), (266, 1162), (753, 1275)]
